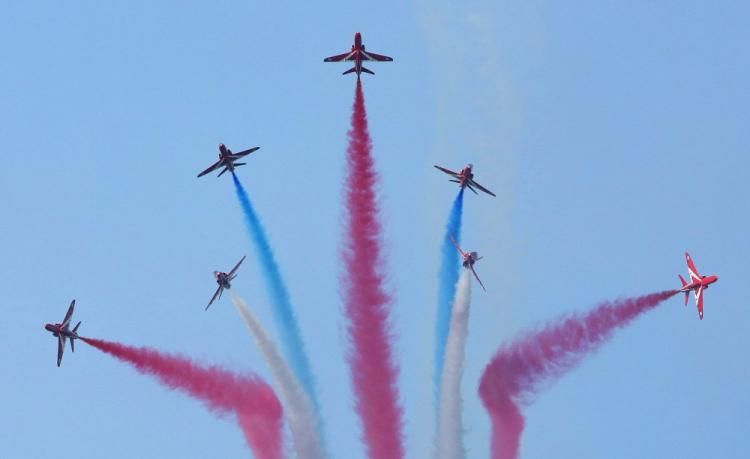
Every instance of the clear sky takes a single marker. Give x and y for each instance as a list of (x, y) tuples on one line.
[(615, 135)]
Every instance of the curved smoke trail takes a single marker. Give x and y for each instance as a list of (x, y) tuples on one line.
[(450, 264), (367, 304), (298, 409), (252, 400), (450, 426), (291, 338), (520, 368)]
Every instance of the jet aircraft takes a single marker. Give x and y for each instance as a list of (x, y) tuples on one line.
[(224, 279), (62, 331), (465, 178), (697, 284), (469, 258), (358, 54), (227, 160)]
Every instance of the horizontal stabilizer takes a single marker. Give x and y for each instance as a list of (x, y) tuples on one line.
[(353, 69), (366, 70)]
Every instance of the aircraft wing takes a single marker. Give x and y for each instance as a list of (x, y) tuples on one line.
[(691, 268), (482, 188), (699, 301), (340, 57), (455, 244), (212, 168), (244, 153), (478, 279), (235, 267), (368, 56), (217, 294), (60, 348), (68, 315), (447, 171)]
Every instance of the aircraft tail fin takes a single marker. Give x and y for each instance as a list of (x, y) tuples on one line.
[(239, 164), (222, 172), (353, 69), (687, 294), (75, 329), (366, 70)]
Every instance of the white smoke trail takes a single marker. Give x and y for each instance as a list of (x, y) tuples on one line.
[(449, 443), (298, 409)]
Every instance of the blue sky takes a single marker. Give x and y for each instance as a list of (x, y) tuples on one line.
[(615, 136)]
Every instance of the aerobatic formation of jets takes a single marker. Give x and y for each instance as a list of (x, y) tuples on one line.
[(465, 178)]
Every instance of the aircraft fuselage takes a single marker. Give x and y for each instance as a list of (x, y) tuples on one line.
[(57, 330), (704, 282), (223, 280)]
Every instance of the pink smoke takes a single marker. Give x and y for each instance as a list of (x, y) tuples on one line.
[(252, 400), (367, 304), (519, 369)]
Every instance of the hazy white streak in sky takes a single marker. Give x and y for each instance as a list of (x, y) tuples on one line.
[(298, 409)]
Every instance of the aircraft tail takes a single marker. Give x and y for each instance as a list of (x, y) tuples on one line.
[(73, 338), (222, 172), (687, 294), (239, 164), (366, 70), (353, 69)]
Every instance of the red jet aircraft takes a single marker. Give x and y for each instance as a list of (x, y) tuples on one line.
[(358, 54), (227, 160), (469, 258), (465, 179), (223, 280), (697, 284), (63, 331)]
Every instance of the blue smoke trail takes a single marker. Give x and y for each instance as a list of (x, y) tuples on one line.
[(450, 265), (291, 339)]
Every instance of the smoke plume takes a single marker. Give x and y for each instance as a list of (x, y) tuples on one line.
[(253, 402), (519, 369)]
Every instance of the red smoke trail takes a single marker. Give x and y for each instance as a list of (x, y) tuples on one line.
[(519, 369), (367, 304), (252, 400)]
